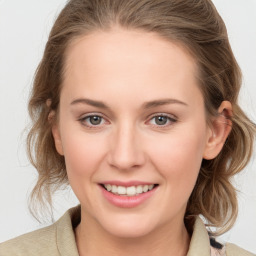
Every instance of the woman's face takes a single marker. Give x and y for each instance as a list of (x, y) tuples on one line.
[(131, 118)]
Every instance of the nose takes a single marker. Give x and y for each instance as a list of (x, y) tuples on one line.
[(126, 151)]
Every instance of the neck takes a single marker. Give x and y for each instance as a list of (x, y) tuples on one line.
[(167, 240)]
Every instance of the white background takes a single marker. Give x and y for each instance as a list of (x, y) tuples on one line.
[(24, 27)]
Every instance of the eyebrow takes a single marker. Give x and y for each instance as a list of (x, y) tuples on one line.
[(146, 105), (161, 102), (94, 103)]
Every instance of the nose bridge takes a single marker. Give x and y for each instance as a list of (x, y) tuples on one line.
[(126, 151)]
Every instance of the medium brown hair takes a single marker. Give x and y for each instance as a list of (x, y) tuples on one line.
[(194, 24)]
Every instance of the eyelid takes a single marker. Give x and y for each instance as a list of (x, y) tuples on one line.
[(83, 117), (172, 118)]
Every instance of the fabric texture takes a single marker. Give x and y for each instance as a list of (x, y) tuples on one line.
[(218, 252), (59, 240)]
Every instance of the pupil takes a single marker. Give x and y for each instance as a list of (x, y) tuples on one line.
[(161, 120), (95, 120)]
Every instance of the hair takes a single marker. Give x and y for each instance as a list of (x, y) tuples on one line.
[(194, 24)]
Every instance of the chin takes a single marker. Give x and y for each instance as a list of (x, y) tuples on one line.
[(124, 227)]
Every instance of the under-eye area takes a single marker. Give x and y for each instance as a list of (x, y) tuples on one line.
[(128, 191)]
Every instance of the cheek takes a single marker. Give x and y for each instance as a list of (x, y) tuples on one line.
[(82, 153), (178, 160)]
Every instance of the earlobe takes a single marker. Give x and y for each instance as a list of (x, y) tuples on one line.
[(221, 126), (56, 134), (57, 139)]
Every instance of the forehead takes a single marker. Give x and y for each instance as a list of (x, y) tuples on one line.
[(128, 59), (105, 46)]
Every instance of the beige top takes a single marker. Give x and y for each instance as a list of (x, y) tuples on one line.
[(59, 240)]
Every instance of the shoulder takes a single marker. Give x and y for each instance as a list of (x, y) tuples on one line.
[(39, 242), (202, 244), (230, 250), (234, 250), (56, 239)]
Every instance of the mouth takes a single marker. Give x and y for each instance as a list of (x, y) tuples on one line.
[(128, 191)]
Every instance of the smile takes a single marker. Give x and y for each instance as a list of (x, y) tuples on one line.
[(128, 191), (129, 195)]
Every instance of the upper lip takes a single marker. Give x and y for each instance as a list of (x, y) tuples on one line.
[(127, 183)]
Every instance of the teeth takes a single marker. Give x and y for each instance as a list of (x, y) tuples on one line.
[(114, 189), (139, 189), (131, 191), (145, 188), (128, 191), (108, 187), (121, 190), (150, 187)]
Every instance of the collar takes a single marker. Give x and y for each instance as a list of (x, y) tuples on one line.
[(66, 242), (65, 236), (200, 243)]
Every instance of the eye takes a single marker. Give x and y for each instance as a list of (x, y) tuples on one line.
[(92, 121), (162, 120)]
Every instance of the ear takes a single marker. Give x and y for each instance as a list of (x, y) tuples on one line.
[(56, 133), (219, 130)]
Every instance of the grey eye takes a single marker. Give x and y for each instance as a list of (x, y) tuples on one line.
[(95, 120), (161, 120)]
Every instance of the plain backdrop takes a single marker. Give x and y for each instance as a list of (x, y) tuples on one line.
[(24, 27)]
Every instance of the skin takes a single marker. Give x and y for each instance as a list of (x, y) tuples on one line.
[(126, 70)]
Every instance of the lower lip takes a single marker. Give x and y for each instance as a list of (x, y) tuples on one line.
[(127, 201)]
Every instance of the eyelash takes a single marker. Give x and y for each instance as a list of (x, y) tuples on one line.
[(170, 119), (83, 121)]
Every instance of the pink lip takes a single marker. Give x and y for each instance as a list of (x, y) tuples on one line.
[(126, 201), (126, 184)]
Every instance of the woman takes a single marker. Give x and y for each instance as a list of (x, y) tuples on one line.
[(134, 105)]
